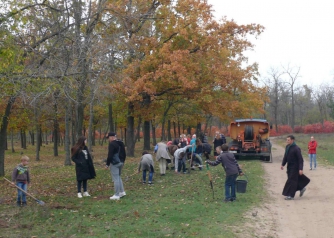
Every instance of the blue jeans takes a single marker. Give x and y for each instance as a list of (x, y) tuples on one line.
[(150, 175), (230, 186), (313, 157), (20, 193), (197, 158), (182, 163)]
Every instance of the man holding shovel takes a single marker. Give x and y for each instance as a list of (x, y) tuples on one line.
[(231, 168)]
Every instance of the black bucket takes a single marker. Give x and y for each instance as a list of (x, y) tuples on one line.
[(241, 185)]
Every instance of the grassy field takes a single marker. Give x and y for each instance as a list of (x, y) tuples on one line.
[(175, 206), (325, 150)]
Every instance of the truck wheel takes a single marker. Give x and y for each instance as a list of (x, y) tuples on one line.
[(268, 159)]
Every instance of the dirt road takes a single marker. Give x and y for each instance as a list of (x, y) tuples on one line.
[(310, 216)]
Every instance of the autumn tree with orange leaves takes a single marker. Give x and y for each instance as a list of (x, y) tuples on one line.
[(181, 51)]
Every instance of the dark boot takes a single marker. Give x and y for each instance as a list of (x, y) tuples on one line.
[(18, 203), (24, 204)]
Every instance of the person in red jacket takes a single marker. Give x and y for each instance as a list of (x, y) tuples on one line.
[(312, 152)]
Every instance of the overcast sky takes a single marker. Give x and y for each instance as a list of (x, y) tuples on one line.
[(299, 32)]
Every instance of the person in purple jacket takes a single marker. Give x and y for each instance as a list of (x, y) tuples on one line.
[(231, 168)]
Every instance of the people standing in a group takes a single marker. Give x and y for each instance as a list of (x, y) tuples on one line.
[(231, 168), (21, 178), (312, 153), (162, 156), (84, 167), (296, 181), (147, 165), (115, 161), (218, 141)]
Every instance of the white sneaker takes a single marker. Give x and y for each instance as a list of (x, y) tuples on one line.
[(122, 194), (114, 197), (79, 195), (86, 194)]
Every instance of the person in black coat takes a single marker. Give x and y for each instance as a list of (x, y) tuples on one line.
[(218, 141), (115, 162), (84, 167), (296, 181)]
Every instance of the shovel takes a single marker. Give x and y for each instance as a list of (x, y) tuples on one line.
[(38, 201)]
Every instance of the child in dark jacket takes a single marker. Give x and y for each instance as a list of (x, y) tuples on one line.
[(231, 168), (21, 177)]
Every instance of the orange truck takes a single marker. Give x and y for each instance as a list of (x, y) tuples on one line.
[(250, 138)]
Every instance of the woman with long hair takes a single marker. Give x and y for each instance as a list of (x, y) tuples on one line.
[(84, 167)]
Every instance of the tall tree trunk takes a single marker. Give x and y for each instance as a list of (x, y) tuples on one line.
[(68, 114), (174, 127), (55, 136), (32, 137), (189, 130), (21, 137), (38, 144), (90, 125), (130, 137), (3, 134), (110, 118), (147, 139), (199, 129), (153, 132), (125, 141), (46, 136), (55, 124), (12, 140), (169, 135), (178, 128), (93, 135), (138, 130)]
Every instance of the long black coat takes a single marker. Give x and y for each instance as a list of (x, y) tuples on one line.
[(295, 162), (84, 168)]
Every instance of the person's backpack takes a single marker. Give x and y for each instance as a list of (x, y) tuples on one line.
[(122, 153)]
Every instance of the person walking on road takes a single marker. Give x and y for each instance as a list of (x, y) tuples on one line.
[(296, 181), (312, 153)]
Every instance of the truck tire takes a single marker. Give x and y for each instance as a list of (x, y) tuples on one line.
[(268, 159), (249, 133)]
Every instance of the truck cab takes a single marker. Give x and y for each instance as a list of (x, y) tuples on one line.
[(250, 138)]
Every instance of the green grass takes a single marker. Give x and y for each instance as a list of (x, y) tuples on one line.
[(175, 206), (325, 149)]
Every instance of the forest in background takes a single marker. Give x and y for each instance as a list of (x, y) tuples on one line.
[(160, 68)]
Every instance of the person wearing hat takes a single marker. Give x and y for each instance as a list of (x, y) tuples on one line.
[(115, 161)]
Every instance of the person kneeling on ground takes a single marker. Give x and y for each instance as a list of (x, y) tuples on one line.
[(147, 164), (231, 168)]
